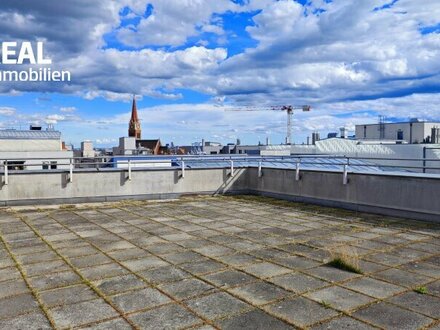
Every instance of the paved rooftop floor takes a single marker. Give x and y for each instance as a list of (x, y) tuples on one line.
[(203, 263)]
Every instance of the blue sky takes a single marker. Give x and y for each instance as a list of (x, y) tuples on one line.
[(188, 61)]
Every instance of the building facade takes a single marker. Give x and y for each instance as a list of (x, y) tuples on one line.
[(33, 150), (409, 132)]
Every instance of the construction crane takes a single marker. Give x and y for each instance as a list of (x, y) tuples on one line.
[(288, 108)]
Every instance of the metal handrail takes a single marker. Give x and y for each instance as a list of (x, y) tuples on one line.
[(216, 158), (230, 161)]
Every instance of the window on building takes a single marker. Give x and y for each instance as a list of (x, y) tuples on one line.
[(49, 165), (365, 131), (399, 134), (16, 165)]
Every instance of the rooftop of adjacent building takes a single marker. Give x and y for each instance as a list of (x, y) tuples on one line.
[(414, 121), (13, 134)]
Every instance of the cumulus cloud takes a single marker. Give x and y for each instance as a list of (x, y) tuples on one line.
[(7, 111), (67, 109), (339, 56), (172, 22), (319, 51)]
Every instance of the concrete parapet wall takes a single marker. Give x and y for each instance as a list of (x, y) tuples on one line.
[(406, 196), (91, 186)]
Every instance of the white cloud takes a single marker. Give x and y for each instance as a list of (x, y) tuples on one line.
[(53, 119), (333, 60), (7, 111), (67, 109), (172, 22)]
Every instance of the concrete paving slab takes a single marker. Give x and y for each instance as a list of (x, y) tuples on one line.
[(239, 259), (297, 262), (423, 268), (266, 269), (298, 282), (67, 295), (214, 250), (136, 265), (402, 278), (54, 280), (128, 254), (392, 317), (33, 320), (16, 305), (43, 268), (341, 323), (254, 320), (186, 288), (167, 317), (300, 311), (421, 303), (229, 278), (340, 298), (373, 287), (259, 293), (9, 273), (13, 288), (115, 324), (217, 305), (183, 257), (74, 315), (331, 274), (119, 284), (90, 260), (164, 274), (434, 288), (133, 301), (203, 267), (103, 271)]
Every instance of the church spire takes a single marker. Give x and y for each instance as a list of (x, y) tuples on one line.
[(134, 127)]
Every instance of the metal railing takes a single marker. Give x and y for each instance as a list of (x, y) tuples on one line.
[(341, 164)]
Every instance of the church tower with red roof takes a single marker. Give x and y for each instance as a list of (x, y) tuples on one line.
[(134, 127)]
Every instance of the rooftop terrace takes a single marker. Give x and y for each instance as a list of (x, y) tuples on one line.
[(215, 262)]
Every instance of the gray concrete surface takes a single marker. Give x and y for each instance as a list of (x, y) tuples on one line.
[(215, 262)]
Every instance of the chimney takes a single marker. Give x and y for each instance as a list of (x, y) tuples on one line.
[(343, 132), (315, 137)]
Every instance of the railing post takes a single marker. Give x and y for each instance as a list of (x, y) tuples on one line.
[(183, 168), (232, 168), (6, 173), (129, 170), (260, 170), (345, 175), (297, 177), (71, 170), (424, 159)]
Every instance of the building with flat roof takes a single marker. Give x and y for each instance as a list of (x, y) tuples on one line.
[(413, 131), (29, 149), (87, 149)]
